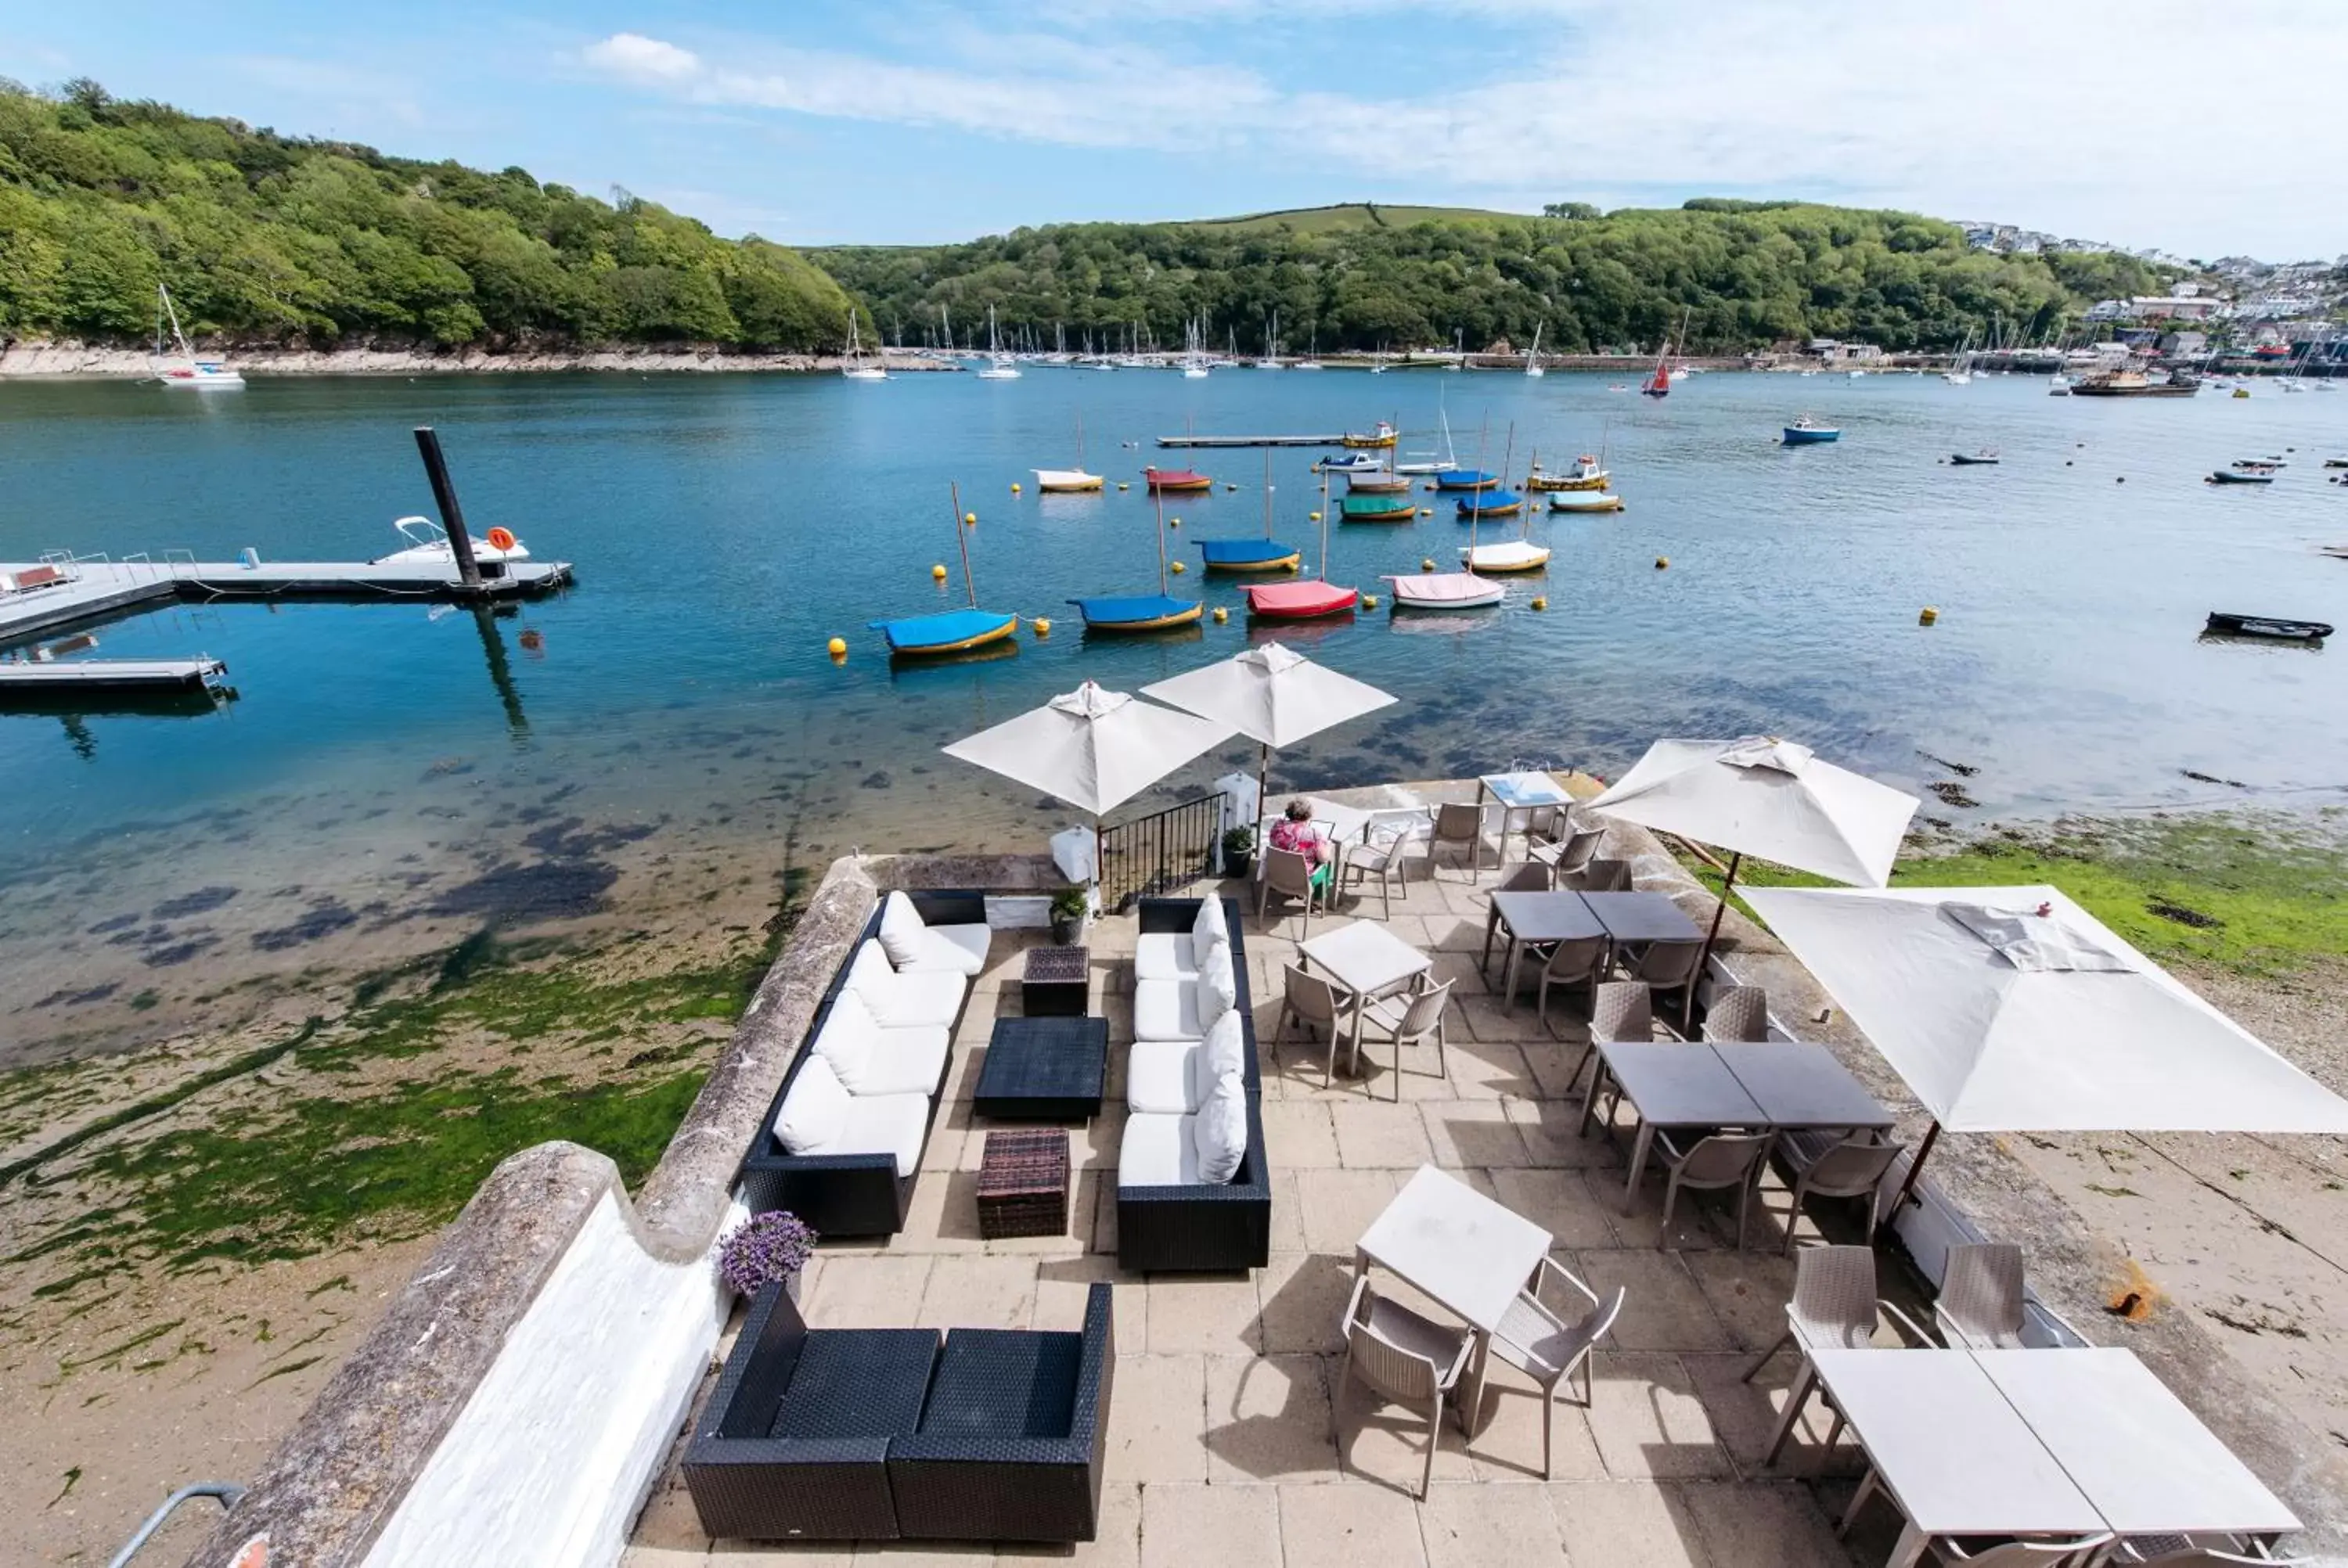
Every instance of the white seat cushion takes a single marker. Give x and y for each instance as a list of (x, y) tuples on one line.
[(901, 1061), (814, 1112), (1157, 1152), (1166, 1010), (901, 931), (954, 949), (1167, 955), (1161, 1076), (893, 1124), (902, 1000)]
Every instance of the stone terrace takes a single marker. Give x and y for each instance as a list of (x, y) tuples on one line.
[(1220, 1449)]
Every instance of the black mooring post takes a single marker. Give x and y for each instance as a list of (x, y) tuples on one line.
[(452, 515)]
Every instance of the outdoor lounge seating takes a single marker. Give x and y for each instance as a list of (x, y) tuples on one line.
[(841, 1143), (915, 945), (881, 1434), (1169, 1216)]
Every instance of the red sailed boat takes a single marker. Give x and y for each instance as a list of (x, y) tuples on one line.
[(1177, 481), (1660, 383)]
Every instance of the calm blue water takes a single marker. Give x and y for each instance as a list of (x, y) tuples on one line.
[(724, 528)]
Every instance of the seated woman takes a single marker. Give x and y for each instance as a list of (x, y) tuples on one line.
[(1294, 832)]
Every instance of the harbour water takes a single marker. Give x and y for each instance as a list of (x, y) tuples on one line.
[(723, 528)]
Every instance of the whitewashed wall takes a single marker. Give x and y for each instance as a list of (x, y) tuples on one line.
[(550, 1458)]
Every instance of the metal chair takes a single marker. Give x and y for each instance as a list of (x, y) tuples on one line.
[(1316, 1004), (1738, 1013), (1600, 876), (1834, 1307), (1979, 1303), (1712, 1164), (1581, 961), (1853, 1168), (1378, 858), (1571, 856), (1412, 1018), (1670, 967), (1459, 824), (1288, 873), (1537, 1341), (1404, 1360), (2013, 1554)]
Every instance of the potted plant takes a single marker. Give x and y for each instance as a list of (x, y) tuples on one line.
[(1069, 908), (1239, 851), (764, 1248)]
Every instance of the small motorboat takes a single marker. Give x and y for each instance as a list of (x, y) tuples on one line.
[(1177, 481), (2336, 462), (948, 631), (2240, 476), (1137, 612), (1465, 479), (1381, 435), (1489, 504), (1585, 501), (1984, 458), (1380, 483), (1377, 509), (428, 545), (1808, 432), (2242, 392), (2261, 465), (1514, 555), (1585, 475), (1352, 463), (2270, 626), (1445, 591), (1065, 481)]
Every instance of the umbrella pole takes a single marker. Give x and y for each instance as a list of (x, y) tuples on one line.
[(1726, 883), (1916, 1167), (1262, 779)]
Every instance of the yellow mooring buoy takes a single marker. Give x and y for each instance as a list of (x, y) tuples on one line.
[(938, 572), (1926, 615), (1042, 627), (1662, 561), (1222, 615), (1540, 603), (837, 647)]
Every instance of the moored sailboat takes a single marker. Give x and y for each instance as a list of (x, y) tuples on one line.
[(1309, 599), (1070, 481), (185, 370), (1159, 611), (951, 631)]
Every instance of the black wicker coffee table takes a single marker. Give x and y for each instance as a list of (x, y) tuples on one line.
[(1044, 1070), (1056, 982)]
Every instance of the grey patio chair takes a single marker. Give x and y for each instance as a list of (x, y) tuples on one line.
[(1379, 858), (1316, 1004), (1288, 874), (2181, 1552), (1547, 824), (1619, 1011), (1600, 876), (1581, 961), (2075, 1553), (1529, 877), (1853, 1168), (1713, 1163), (1980, 1304), (1571, 856), (1404, 1358), (1834, 1307), (1539, 1341), (1738, 1013), (1412, 1018), (1455, 823), (1669, 967)]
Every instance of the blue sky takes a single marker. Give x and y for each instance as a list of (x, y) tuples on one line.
[(2125, 120)]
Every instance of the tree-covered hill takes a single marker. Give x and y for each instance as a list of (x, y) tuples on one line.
[(1748, 273), (271, 238)]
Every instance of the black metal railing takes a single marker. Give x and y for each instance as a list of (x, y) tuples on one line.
[(1164, 850)]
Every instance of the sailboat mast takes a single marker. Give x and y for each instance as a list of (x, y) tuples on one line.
[(1324, 525), (1159, 497), (962, 539), (1267, 493)]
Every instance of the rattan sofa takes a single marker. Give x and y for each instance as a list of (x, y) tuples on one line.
[(845, 1194), (1199, 1228), (880, 1434)]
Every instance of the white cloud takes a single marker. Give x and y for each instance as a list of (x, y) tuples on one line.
[(649, 62)]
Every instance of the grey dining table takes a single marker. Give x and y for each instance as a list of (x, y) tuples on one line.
[(1531, 919), (1642, 917), (1671, 1084), (1797, 1083)]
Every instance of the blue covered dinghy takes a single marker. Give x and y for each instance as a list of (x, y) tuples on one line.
[(1247, 555), (1137, 612), (949, 632)]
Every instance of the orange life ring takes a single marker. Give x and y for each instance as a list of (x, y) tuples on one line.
[(500, 539)]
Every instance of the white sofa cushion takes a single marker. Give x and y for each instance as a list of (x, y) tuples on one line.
[(1221, 1130), (1161, 1075), (1167, 955), (1211, 922), (870, 1060), (1166, 1010), (901, 1000), (901, 931), (1218, 985), (1157, 1152), (814, 1112), (846, 1040), (1224, 1051), (913, 946), (892, 1124)]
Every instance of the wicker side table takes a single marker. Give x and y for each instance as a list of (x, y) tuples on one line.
[(1022, 1183), (1056, 982)]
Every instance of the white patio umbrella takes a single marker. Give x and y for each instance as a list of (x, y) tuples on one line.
[(2012, 1009), (1092, 748), (1274, 696), (1769, 798)]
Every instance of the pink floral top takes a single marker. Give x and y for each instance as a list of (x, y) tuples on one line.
[(1300, 838)]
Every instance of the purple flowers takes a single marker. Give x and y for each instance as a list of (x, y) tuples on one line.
[(765, 1247)]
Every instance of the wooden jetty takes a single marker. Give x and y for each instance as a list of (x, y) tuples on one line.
[(1235, 441), (111, 675), (71, 591)]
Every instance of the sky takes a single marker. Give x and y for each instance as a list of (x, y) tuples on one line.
[(2143, 123)]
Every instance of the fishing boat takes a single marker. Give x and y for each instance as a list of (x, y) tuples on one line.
[(1585, 501), (1177, 481), (1376, 509), (1532, 355), (1585, 475), (1465, 479), (428, 545), (1380, 483), (856, 369), (998, 365), (949, 630), (1489, 504), (2241, 476), (1986, 456), (2267, 626), (1808, 432), (1068, 481), (1381, 436), (1310, 598), (1159, 612), (184, 369)]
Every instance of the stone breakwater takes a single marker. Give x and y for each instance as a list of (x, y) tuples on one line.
[(28, 360)]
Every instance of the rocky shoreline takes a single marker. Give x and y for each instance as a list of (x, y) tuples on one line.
[(67, 360)]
